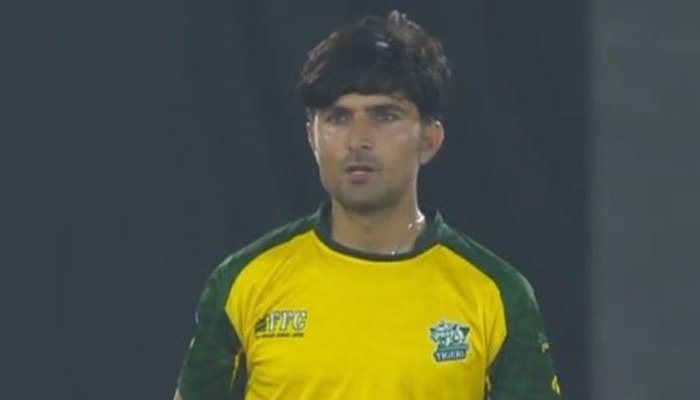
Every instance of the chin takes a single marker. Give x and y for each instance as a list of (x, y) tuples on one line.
[(364, 204)]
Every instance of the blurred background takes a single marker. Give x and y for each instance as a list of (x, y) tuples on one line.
[(143, 141)]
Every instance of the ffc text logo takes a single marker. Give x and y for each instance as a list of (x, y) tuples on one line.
[(281, 323)]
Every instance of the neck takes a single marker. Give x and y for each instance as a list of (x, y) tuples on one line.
[(387, 231)]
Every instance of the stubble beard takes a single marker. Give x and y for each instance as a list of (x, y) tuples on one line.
[(366, 201)]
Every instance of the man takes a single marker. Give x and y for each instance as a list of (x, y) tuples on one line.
[(369, 297)]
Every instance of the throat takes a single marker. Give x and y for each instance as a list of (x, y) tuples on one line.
[(385, 236)]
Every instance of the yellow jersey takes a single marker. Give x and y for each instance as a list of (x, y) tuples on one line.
[(298, 316)]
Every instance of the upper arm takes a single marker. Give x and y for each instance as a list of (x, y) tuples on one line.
[(524, 368), (212, 367)]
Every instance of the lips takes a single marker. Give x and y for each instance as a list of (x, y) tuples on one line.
[(359, 174), (359, 168)]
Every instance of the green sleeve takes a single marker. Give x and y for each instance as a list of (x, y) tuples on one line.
[(214, 367), (523, 369)]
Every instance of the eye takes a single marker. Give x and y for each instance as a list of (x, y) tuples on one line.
[(386, 116), (337, 118)]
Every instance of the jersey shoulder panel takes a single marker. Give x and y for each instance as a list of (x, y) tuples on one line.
[(510, 282), (522, 367), (214, 366), (231, 267)]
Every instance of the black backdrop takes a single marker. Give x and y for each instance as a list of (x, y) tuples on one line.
[(142, 141)]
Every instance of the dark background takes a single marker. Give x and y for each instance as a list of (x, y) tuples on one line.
[(143, 141)]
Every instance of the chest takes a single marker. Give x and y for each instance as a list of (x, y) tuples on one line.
[(411, 330)]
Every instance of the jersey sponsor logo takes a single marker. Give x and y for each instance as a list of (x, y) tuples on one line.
[(451, 340), (282, 324), (555, 385)]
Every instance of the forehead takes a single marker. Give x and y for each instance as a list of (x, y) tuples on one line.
[(356, 101)]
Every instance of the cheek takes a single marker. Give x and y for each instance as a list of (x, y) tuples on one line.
[(327, 164), (403, 155), (327, 145)]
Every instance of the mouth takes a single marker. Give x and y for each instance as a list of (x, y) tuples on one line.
[(359, 174), (359, 169)]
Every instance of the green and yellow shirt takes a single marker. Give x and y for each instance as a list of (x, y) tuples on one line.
[(297, 316)]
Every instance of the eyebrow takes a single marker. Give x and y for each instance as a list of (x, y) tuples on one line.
[(372, 108), (387, 107)]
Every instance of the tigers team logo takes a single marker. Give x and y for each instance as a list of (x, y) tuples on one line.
[(451, 340)]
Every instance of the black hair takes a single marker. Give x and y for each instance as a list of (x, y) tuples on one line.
[(375, 55)]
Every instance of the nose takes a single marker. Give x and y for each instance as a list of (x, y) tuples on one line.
[(360, 134)]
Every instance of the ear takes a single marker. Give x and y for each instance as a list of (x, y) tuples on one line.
[(431, 141), (311, 138)]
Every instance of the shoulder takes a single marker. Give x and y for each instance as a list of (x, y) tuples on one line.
[(511, 284), (226, 273)]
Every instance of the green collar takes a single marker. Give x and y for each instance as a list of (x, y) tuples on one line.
[(425, 240)]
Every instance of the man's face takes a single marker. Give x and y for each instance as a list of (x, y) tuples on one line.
[(369, 149)]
